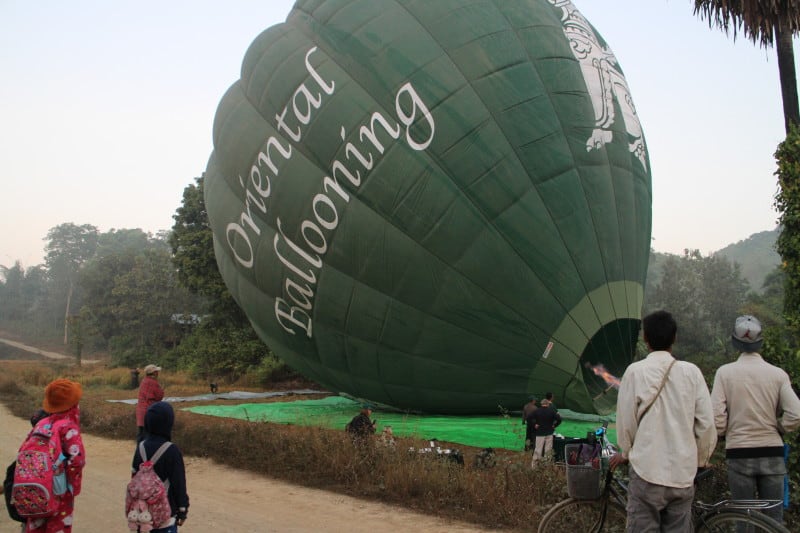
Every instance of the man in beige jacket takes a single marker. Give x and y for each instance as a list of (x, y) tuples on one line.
[(754, 404), (665, 429)]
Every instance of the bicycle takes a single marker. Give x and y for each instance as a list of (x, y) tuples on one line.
[(607, 513)]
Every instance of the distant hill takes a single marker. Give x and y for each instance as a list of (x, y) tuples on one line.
[(756, 255)]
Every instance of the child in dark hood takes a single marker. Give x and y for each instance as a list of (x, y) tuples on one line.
[(158, 422)]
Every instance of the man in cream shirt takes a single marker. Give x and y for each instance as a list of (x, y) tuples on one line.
[(754, 404), (665, 429)]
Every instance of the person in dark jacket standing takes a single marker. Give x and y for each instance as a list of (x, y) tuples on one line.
[(544, 420), (362, 426), (527, 410), (158, 422)]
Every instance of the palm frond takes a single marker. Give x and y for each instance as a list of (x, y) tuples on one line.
[(757, 19)]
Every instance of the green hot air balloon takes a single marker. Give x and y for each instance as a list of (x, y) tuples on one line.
[(439, 206)]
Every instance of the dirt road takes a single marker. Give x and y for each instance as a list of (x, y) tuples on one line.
[(43, 353), (222, 499), (50, 355)]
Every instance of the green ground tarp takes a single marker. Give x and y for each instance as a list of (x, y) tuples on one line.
[(334, 412)]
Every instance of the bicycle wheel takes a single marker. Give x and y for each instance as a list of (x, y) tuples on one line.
[(738, 521), (571, 515)]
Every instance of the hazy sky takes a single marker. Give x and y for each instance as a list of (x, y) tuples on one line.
[(106, 111)]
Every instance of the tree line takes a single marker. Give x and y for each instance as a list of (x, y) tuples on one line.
[(140, 297), (144, 297)]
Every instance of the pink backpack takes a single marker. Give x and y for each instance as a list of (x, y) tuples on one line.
[(146, 501), (39, 477)]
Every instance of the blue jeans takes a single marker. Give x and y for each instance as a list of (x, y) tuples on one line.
[(170, 529), (758, 477)]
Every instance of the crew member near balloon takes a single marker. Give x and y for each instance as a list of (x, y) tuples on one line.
[(150, 392), (362, 425), (544, 420), (61, 399), (527, 410)]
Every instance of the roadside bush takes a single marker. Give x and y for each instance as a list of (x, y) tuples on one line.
[(127, 351), (269, 370), (217, 352)]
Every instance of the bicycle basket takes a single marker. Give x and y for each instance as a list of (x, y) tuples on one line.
[(583, 481)]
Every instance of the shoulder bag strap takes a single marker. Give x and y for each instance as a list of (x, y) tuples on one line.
[(658, 393)]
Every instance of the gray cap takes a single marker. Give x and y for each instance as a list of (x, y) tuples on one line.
[(746, 336)]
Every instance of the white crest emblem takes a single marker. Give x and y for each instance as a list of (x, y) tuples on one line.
[(604, 80)]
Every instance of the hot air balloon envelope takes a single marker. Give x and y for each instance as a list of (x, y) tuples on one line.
[(439, 206)]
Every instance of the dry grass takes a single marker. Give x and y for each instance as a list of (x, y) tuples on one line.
[(508, 495)]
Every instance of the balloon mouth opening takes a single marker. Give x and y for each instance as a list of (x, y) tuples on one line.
[(605, 358)]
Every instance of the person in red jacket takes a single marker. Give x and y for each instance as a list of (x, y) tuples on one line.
[(150, 392), (61, 399)]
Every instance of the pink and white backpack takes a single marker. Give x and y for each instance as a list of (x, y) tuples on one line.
[(146, 501), (39, 478)]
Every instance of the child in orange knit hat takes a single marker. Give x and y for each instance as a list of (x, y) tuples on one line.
[(61, 398), (61, 395)]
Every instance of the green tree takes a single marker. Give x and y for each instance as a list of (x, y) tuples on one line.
[(704, 294), (79, 327), (222, 350), (768, 305), (724, 293), (120, 241), (23, 297), (224, 344), (680, 292), (68, 248), (116, 255), (148, 297), (12, 304), (782, 346), (787, 202), (767, 22), (192, 245), (784, 343), (97, 280)]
